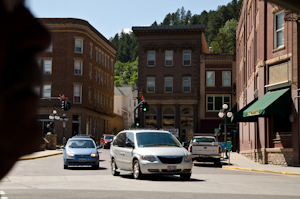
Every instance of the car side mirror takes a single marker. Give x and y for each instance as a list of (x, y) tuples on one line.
[(128, 144), (99, 147), (62, 147)]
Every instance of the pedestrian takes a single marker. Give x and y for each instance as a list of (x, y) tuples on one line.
[(22, 37)]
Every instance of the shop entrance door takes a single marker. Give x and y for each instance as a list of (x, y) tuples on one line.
[(186, 134)]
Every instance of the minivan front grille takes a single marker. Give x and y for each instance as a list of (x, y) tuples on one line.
[(170, 159)]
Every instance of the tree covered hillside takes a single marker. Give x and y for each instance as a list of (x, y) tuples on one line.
[(220, 35)]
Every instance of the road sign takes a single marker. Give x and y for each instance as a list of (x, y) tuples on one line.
[(222, 145), (228, 145)]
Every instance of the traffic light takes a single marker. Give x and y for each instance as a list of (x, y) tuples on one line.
[(144, 106), (137, 121), (63, 105), (67, 105)]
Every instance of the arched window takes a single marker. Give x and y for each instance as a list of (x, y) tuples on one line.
[(168, 119), (150, 118)]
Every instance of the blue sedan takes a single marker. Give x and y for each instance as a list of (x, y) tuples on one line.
[(81, 151)]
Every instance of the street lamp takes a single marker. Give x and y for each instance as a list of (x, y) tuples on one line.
[(54, 117), (224, 112), (64, 119)]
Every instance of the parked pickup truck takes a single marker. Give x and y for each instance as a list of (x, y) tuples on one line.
[(205, 149)]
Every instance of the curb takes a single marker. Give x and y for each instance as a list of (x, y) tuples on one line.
[(41, 156), (261, 170)]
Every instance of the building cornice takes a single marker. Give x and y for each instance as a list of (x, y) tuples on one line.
[(66, 23)]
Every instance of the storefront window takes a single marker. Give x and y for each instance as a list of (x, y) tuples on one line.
[(168, 119), (151, 121)]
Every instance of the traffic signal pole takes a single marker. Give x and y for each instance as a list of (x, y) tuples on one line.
[(134, 113)]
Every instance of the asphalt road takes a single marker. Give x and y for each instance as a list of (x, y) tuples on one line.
[(45, 178)]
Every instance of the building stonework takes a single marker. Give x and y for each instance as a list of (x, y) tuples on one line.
[(173, 61), (267, 41), (79, 64)]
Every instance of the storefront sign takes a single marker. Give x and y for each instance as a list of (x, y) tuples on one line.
[(175, 132)]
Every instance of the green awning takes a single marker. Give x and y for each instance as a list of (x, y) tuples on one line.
[(272, 103), (228, 120), (238, 116)]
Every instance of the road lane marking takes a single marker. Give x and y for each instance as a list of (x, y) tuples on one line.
[(2, 193)]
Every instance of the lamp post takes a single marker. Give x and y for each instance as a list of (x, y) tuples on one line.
[(54, 117), (224, 113), (64, 119)]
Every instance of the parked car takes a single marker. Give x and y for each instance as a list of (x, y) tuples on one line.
[(106, 140), (149, 152), (205, 149), (81, 151)]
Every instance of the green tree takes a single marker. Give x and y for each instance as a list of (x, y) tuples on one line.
[(126, 73), (230, 29), (154, 24), (222, 43)]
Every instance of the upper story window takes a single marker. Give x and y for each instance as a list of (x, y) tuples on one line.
[(186, 84), (150, 84), (169, 57), (78, 45), (151, 58), (91, 51), (186, 57), (226, 78), (279, 29), (77, 94), (49, 49), (91, 72), (96, 72), (210, 78), (47, 66), (77, 67), (90, 96), (215, 102), (168, 84), (99, 53), (47, 91), (96, 55)]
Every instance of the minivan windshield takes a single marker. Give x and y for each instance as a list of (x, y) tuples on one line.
[(152, 139)]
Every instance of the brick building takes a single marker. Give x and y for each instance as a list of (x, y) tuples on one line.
[(267, 83), (79, 64), (173, 66)]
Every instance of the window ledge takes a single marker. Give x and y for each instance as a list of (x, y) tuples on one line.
[(278, 49)]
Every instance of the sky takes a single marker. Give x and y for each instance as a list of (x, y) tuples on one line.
[(110, 17)]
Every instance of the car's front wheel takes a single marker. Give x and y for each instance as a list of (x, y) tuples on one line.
[(185, 176), (96, 167), (137, 174), (66, 167), (114, 168)]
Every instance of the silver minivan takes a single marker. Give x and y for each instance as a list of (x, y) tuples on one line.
[(149, 152)]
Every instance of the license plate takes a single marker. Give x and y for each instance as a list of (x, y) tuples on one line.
[(205, 156), (82, 160), (171, 168)]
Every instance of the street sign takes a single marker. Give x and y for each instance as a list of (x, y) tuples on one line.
[(222, 145), (228, 145)]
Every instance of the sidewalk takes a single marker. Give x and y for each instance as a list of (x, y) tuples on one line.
[(240, 162), (42, 154)]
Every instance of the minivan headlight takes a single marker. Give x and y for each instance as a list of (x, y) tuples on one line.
[(187, 158), (150, 158)]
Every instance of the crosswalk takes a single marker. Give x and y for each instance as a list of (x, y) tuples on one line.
[(2, 195)]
